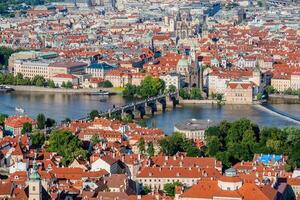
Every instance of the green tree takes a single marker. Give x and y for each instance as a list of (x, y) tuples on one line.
[(2, 118), (51, 84), (150, 149), (50, 122), (146, 190), (195, 93), (259, 96), (151, 87), (183, 93), (63, 85), (193, 151), (130, 90), (142, 123), (127, 118), (38, 81), (239, 140), (172, 88), (177, 142), (37, 139), (5, 52), (141, 145), (270, 89), (213, 145), (27, 128), (66, 120), (169, 188), (93, 114), (106, 84), (69, 85), (95, 139), (41, 121), (219, 97), (67, 145)]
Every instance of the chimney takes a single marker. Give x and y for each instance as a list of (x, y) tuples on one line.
[(180, 163), (139, 157), (174, 157)]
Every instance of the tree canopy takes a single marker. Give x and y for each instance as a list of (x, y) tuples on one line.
[(141, 145), (106, 84), (232, 142), (149, 87), (27, 128), (194, 93), (2, 118), (177, 142), (169, 188), (40, 121), (93, 114), (67, 145), (37, 139)]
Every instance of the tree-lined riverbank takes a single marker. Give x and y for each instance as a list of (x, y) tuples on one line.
[(20, 88)]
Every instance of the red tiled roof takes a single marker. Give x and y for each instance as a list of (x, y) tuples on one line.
[(18, 121), (68, 76)]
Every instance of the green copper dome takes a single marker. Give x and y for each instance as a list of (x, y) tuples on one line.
[(183, 62), (34, 174)]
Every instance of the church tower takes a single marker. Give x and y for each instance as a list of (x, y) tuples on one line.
[(183, 24), (35, 186)]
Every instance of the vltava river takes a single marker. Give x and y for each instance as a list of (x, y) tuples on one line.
[(60, 106)]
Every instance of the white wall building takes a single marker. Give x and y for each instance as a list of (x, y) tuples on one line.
[(171, 79)]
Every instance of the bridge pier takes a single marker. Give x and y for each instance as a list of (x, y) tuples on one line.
[(136, 113), (145, 107), (161, 106), (149, 110)]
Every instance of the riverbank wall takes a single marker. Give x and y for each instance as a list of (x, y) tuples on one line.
[(181, 101), (60, 90), (283, 99)]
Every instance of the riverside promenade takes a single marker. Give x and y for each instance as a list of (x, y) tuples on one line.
[(61, 90)]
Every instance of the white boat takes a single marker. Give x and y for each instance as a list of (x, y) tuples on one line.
[(20, 110), (100, 92)]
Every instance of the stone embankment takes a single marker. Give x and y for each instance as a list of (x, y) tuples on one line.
[(283, 99), (60, 90), (197, 101)]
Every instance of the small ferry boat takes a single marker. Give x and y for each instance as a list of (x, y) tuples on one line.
[(4, 88), (100, 92), (19, 109)]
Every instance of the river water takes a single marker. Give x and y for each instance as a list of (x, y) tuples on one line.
[(59, 106)]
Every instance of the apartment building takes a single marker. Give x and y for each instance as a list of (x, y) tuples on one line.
[(238, 92), (32, 68)]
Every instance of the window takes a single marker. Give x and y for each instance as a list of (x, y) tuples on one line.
[(33, 188)]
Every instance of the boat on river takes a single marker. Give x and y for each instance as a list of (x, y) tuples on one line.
[(4, 88), (19, 109), (100, 92)]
